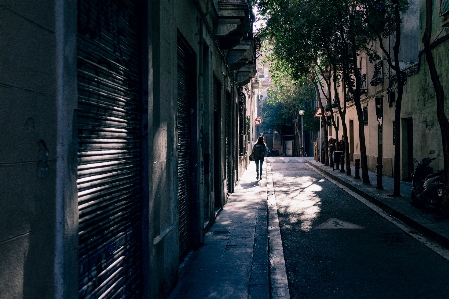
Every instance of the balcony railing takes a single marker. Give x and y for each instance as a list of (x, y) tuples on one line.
[(378, 77), (363, 83), (235, 20)]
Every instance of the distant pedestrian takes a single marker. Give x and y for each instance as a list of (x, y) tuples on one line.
[(332, 144), (341, 145), (259, 152), (332, 147)]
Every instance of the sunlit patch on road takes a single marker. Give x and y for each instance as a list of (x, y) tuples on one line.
[(304, 205)]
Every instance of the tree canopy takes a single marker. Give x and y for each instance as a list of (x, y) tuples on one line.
[(285, 98), (324, 39)]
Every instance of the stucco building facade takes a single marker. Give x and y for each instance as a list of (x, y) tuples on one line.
[(420, 131)]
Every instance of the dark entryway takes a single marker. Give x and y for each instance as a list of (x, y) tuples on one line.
[(217, 143), (187, 146), (407, 148)]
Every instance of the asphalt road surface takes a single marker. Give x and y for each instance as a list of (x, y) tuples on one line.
[(335, 246)]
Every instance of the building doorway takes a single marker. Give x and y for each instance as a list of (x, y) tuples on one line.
[(351, 140), (217, 143), (187, 146), (407, 149)]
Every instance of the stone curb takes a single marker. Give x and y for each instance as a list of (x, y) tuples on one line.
[(259, 282), (278, 275)]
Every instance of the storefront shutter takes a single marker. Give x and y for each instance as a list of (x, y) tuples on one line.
[(109, 149), (184, 129)]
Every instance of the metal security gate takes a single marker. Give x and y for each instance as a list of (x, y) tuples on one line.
[(185, 120), (228, 142), (217, 141), (109, 154)]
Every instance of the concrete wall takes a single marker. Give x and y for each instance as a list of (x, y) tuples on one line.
[(37, 153), (162, 204), (420, 106)]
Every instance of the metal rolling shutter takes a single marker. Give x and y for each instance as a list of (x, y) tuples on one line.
[(109, 154), (184, 150), (228, 142), (217, 141)]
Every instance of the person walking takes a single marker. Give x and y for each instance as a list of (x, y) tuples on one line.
[(259, 152)]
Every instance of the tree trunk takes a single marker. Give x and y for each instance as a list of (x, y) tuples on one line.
[(439, 92), (401, 77), (346, 144), (363, 157), (358, 105), (323, 127), (325, 138), (342, 113), (397, 150)]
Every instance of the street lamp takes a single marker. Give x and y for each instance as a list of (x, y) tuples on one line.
[(301, 114)]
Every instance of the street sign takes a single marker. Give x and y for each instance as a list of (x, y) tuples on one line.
[(318, 113)]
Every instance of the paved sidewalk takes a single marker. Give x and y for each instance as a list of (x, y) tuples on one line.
[(425, 221), (234, 260)]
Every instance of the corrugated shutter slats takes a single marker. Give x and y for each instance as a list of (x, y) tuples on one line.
[(109, 149), (184, 154)]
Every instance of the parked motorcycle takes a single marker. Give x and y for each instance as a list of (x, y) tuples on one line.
[(427, 186)]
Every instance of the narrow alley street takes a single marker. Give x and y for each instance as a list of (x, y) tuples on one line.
[(131, 132), (335, 243), (336, 246)]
